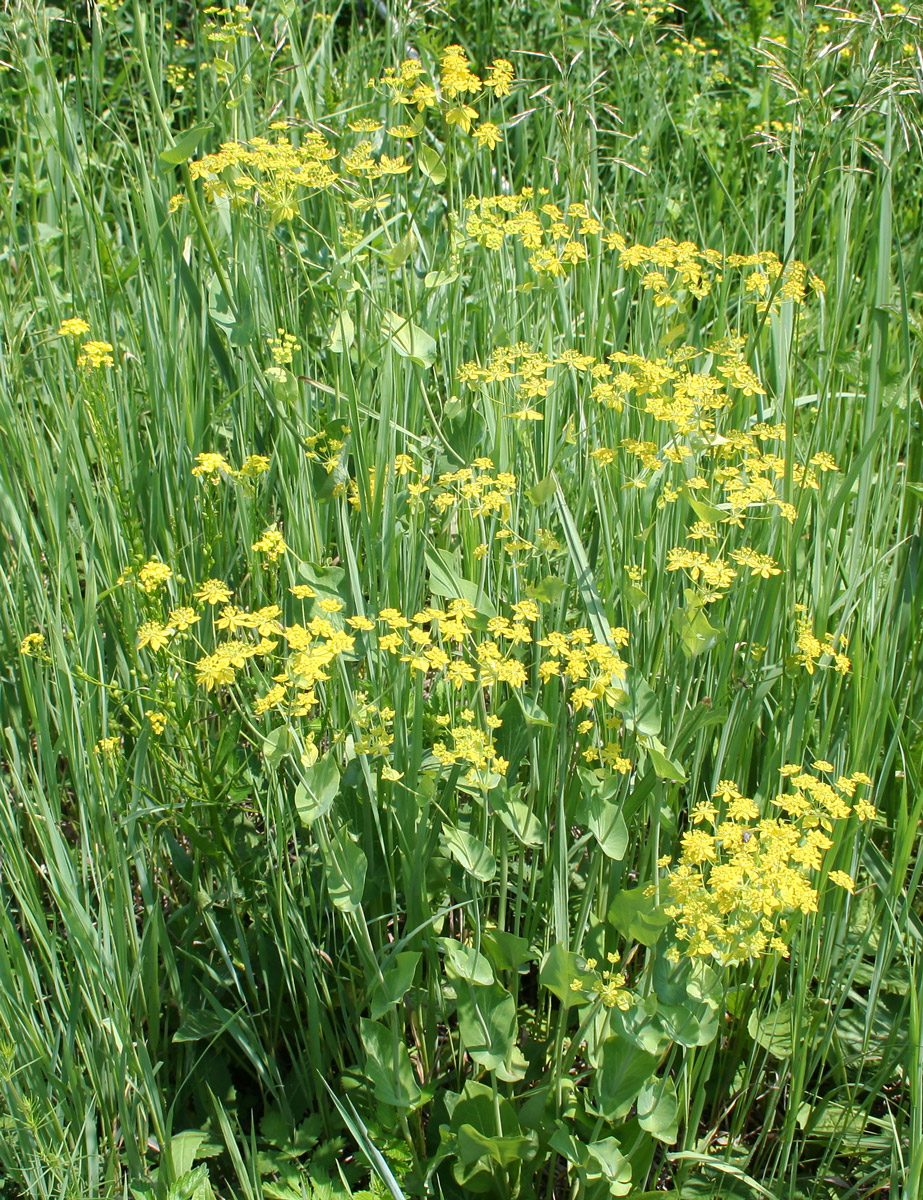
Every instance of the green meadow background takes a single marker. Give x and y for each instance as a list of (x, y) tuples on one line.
[(460, 595)]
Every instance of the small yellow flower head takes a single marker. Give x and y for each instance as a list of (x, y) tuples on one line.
[(487, 134), (500, 77), (283, 347), (391, 775), (212, 465), (73, 327), (107, 747), (213, 591), (253, 466), (33, 645), (95, 354), (153, 576), (182, 618), (841, 879), (456, 77), (271, 544), (330, 605), (154, 635), (158, 721)]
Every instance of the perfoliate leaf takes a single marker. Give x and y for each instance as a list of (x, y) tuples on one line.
[(409, 340)]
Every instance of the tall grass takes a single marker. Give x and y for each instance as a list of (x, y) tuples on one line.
[(295, 946)]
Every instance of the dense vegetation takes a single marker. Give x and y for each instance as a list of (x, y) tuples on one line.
[(460, 589)]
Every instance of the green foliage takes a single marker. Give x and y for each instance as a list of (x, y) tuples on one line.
[(461, 576)]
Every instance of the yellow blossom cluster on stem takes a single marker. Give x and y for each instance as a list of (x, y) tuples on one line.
[(559, 239), (452, 92), (468, 660), (742, 876)]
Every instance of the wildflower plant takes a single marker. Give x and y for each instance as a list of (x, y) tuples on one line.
[(452, 617)]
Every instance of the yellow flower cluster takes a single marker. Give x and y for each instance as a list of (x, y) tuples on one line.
[(92, 354), (412, 86), (225, 24), (273, 172), (283, 347), (738, 883), (33, 645), (73, 327), (153, 576), (560, 239), (214, 467), (464, 655), (812, 649), (608, 985), (271, 545)]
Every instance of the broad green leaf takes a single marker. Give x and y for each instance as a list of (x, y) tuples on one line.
[(522, 823), (547, 590), (641, 709), (435, 279), (193, 1185), (621, 1073), (832, 1120), (464, 962), (702, 509), (343, 333), (409, 340), (603, 817), (774, 1030), (689, 1024), (345, 865), (277, 744), (487, 1023), (474, 1145), (401, 251), (388, 1066), (431, 164), (531, 711), (637, 917), (445, 581), (507, 951), (184, 1149), (398, 977), (469, 853), (201, 1025), (695, 632), (184, 147), (658, 1110), (559, 970), (318, 789), (664, 767), (610, 1163), (543, 490)]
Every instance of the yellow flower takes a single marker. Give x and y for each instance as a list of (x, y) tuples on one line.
[(32, 645), (155, 635), (499, 77), (158, 721), (487, 134), (271, 544), (213, 465), (181, 618), (95, 354), (73, 327), (462, 116), (153, 575), (213, 591)]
